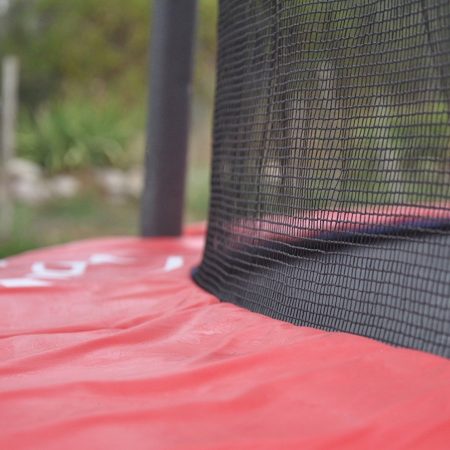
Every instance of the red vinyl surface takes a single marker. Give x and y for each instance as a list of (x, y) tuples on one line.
[(107, 344)]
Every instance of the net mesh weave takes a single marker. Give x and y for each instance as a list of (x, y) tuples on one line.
[(330, 202)]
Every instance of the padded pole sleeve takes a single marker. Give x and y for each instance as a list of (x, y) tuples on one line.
[(171, 64)]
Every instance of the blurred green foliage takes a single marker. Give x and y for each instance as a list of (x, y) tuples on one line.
[(73, 134), (95, 47), (91, 46), (84, 67), (84, 76)]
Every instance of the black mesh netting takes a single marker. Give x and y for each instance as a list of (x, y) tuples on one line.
[(330, 198)]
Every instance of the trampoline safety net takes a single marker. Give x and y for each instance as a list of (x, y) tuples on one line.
[(330, 199)]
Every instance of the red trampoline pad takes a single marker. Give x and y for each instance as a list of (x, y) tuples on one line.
[(108, 344)]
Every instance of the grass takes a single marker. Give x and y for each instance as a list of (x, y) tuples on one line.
[(91, 214), (85, 216), (197, 193)]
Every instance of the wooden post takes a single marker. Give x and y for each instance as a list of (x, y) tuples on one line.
[(9, 109)]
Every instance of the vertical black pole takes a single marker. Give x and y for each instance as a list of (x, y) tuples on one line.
[(168, 128)]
